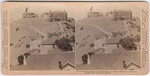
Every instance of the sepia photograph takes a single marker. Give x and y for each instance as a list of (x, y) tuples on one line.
[(108, 38), (75, 38), (42, 38)]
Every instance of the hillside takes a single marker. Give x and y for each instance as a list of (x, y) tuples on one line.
[(19, 40), (105, 23), (89, 28), (22, 30)]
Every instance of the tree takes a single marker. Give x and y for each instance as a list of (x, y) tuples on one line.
[(20, 60), (81, 28), (11, 44), (90, 54), (92, 45), (49, 35), (137, 38), (27, 46), (73, 29), (84, 59), (64, 44), (27, 54), (72, 39), (17, 29), (128, 43)]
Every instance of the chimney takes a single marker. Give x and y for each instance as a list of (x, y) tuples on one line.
[(24, 60), (91, 8), (59, 65), (26, 9), (124, 64), (88, 60)]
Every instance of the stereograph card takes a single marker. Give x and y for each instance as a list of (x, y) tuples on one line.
[(75, 38)]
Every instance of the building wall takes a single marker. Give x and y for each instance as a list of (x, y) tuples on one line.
[(69, 68), (110, 48), (29, 15), (122, 15), (46, 48), (133, 67), (93, 14), (100, 51), (35, 44), (99, 43), (57, 16)]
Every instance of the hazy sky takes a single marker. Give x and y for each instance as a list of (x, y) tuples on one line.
[(75, 10), (105, 7), (17, 12)]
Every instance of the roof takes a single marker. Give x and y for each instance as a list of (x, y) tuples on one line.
[(94, 12), (49, 40), (28, 13), (58, 11), (70, 56), (35, 52), (55, 51), (67, 64), (132, 64), (45, 51), (119, 50), (40, 59), (50, 61), (111, 61), (100, 36), (63, 58), (115, 39), (122, 10)]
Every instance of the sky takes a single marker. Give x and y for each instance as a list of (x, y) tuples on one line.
[(77, 11), (103, 7), (17, 12)]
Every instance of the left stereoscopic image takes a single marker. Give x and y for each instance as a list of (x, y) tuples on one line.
[(42, 37)]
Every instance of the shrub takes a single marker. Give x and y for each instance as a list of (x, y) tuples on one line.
[(11, 44), (128, 43), (27, 46), (20, 60), (72, 39), (17, 29), (64, 44), (92, 45), (27, 54), (81, 28)]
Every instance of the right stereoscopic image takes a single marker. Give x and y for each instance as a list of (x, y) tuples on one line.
[(108, 38)]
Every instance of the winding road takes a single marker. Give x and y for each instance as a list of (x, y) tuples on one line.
[(41, 33), (97, 27)]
